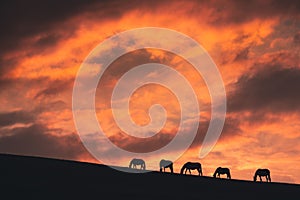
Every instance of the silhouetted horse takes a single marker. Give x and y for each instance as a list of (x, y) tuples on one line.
[(191, 166), (221, 170), (163, 164), (262, 172), (136, 161)]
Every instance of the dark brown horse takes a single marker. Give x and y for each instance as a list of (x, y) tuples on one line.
[(163, 164), (262, 172), (221, 170), (191, 166)]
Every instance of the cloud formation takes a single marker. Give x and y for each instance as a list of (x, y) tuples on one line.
[(255, 44), (10, 118), (270, 89), (35, 140)]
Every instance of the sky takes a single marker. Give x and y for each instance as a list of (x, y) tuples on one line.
[(255, 45)]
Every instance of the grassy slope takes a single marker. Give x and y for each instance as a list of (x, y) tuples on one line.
[(44, 178)]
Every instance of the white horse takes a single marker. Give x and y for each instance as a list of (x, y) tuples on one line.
[(136, 161)]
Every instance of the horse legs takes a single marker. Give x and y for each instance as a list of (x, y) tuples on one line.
[(200, 172), (260, 178)]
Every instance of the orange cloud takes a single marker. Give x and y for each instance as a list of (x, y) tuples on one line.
[(251, 44)]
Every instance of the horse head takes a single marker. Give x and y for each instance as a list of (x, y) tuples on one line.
[(254, 178)]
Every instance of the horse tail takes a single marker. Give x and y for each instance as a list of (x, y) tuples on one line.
[(130, 164)]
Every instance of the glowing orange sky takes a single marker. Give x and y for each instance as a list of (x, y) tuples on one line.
[(255, 46)]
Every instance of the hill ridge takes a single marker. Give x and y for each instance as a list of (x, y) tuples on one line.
[(35, 176)]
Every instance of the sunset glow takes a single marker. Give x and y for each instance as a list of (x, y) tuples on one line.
[(255, 45)]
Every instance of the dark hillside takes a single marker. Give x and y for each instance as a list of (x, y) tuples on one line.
[(24, 177)]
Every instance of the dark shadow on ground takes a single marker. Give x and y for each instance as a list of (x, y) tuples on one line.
[(24, 177)]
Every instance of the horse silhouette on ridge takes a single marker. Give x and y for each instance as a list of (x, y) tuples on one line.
[(221, 170), (188, 166), (137, 161), (163, 164), (262, 172)]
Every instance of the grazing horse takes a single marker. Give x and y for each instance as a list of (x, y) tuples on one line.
[(262, 172), (136, 161), (163, 164), (221, 170), (191, 166)]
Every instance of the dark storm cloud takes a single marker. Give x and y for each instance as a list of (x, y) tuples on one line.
[(53, 106), (15, 88), (139, 145), (46, 41), (242, 54), (47, 22), (230, 129), (241, 38), (8, 84), (237, 12), (10, 118), (297, 38), (35, 140), (4, 83), (54, 88), (269, 89), (20, 19), (5, 66), (133, 59)]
